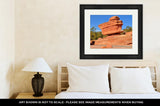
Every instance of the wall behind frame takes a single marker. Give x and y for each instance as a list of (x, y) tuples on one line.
[(50, 29)]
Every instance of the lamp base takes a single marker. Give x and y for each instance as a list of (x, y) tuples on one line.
[(37, 84), (38, 95)]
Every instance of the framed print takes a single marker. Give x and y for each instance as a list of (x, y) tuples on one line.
[(111, 31)]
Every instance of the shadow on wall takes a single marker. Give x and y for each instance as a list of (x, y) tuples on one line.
[(9, 78), (21, 82), (6, 79)]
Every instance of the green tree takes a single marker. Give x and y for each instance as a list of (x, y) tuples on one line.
[(94, 35), (128, 29), (93, 29)]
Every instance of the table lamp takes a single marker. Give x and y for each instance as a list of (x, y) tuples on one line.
[(37, 65)]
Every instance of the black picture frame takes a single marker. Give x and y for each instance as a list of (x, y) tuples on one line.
[(138, 7)]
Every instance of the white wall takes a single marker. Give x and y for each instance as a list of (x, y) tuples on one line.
[(50, 29), (6, 46)]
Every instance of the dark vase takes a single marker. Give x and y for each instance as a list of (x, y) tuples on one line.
[(37, 84)]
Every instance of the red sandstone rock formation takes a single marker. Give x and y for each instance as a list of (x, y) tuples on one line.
[(114, 41), (113, 26)]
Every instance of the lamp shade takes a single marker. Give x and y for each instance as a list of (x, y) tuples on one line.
[(37, 65)]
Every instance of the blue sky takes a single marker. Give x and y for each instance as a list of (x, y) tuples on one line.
[(99, 19)]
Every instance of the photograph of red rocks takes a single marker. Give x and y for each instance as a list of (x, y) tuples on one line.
[(111, 32)]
